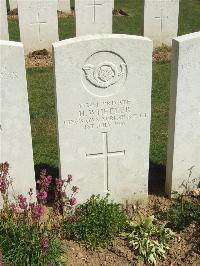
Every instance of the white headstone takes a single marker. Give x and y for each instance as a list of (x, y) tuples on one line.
[(93, 16), (15, 130), (64, 5), (13, 4), (113, 4), (3, 21), (103, 91), (161, 20), (38, 24), (184, 120)]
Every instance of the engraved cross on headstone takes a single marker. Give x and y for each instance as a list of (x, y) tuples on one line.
[(162, 17), (38, 22), (94, 5), (105, 155)]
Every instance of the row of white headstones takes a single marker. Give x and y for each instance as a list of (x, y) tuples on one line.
[(103, 108), (63, 5), (38, 21)]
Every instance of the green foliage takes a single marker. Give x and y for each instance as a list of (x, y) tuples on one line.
[(99, 222), (21, 244), (182, 213), (148, 240)]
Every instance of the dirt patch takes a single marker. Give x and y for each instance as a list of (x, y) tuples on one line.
[(62, 14), (13, 13), (162, 53), (39, 58), (184, 250), (120, 12)]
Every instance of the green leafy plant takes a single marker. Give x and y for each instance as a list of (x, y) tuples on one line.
[(148, 240), (98, 222), (184, 211)]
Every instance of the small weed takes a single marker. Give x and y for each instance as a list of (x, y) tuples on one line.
[(148, 240)]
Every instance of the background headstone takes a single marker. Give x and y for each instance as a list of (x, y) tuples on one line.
[(184, 123), (113, 4), (161, 20), (13, 4), (93, 16), (64, 6), (3, 21), (103, 95), (38, 24), (15, 130)]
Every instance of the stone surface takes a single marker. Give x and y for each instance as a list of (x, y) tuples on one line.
[(103, 95), (184, 123), (93, 16), (3, 21), (64, 6), (15, 130), (161, 20), (113, 4), (13, 4), (38, 24)]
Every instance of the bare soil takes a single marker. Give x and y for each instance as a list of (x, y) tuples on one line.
[(185, 248), (39, 58)]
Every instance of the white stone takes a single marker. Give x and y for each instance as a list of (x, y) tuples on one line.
[(15, 130), (13, 4), (103, 95), (161, 20), (64, 6), (93, 16), (3, 21), (113, 4), (38, 24), (184, 119)]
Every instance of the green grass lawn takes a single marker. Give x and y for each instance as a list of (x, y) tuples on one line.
[(40, 84)]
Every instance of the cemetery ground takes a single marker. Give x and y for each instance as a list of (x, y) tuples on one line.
[(184, 249)]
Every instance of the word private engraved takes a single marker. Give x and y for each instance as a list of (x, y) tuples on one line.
[(104, 73)]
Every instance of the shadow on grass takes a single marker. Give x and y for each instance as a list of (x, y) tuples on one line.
[(157, 176)]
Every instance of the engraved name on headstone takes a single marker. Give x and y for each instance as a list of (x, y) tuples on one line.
[(103, 96)]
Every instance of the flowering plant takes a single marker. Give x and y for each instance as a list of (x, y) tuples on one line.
[(29, 231)]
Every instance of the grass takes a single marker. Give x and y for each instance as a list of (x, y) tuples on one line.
[(40, 83)]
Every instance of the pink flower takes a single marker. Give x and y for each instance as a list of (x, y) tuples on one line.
[(21, 200), (44, 244), (42, 195), (13, 209), (72, 201), (43, 172), (37, 211), (74, 189), (69, 178), (60, 182)]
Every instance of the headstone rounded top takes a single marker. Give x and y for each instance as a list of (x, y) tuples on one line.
[(100, 37), (187, 37), (11, 43)]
